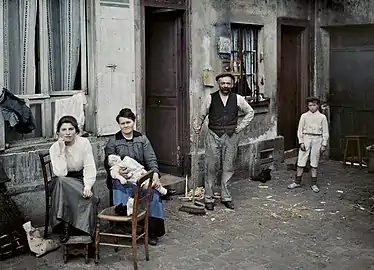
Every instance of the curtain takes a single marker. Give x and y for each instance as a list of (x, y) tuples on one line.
[(250, 55), (19, 45), (64, 40)]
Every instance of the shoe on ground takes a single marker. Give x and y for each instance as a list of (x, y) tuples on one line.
[(293, 185), (209, 206), (170, 192), (228, 204), (315, 188), (153, 241)]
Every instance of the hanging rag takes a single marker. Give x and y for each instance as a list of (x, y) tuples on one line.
[(16, 112), (73, 106)]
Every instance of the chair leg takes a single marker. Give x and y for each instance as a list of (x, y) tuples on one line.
[(146, 240), (65, 253), (46, 219), (97, 241), (359, 152), (116, 242), (345, 152), (134, 258), (86, 254)]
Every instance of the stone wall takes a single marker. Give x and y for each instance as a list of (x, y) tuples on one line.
[(22, 165), (209, 21)]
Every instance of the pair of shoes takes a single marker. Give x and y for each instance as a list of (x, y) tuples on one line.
[(170, 192), (209, 206), (293, 185), (228, 204), (64, 237), (315, 188), (152, 241), (121, 210)]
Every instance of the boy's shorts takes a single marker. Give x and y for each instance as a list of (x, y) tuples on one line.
[(313, 144)]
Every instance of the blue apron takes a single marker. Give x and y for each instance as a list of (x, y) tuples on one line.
[(121, 194)]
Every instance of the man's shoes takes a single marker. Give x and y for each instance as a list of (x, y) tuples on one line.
[(170, 192), (209, 206), (228, 204), (153, 241)]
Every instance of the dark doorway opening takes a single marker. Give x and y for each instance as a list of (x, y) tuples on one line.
[(165, 86), (293, 78)]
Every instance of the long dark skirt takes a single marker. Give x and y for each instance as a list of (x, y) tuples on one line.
[(68, 205), (156, 225)]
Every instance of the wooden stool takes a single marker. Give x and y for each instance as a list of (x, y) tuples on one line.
[(357, 143), (71, 247)]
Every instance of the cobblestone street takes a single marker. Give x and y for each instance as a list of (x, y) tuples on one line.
[(271, 228)]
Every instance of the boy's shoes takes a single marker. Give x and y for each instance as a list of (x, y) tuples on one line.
[(315, 188), (293, 185)]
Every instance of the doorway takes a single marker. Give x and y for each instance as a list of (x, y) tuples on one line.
[(165, 86), (293, 78), (351, 85)]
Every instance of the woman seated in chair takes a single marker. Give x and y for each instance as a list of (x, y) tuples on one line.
[(128, 142), (73, 206)]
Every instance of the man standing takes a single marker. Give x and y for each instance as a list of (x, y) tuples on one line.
[(222, 140)]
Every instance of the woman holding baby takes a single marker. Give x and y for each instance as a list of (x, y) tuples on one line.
[(130, 143)]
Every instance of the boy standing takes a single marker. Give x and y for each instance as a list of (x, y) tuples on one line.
[(313, 134)]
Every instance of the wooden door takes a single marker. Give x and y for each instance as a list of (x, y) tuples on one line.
[(164, 83), (291, 83), (351, 96)]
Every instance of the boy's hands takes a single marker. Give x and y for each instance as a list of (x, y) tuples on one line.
[(302, 147)]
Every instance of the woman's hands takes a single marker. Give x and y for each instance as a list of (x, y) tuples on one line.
[(156, 181), (87, 193), (61, 144)]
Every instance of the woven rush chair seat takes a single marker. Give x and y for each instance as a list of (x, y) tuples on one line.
[(110, 215)]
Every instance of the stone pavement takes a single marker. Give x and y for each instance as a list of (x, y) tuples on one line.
[(271, 228)]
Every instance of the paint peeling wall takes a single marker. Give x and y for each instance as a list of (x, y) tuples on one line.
[(211, 19)]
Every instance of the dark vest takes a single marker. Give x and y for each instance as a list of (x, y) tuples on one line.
[(223, 119)]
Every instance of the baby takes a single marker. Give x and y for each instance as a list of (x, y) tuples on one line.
[(133, 171)]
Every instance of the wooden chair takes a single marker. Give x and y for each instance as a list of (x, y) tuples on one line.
[(70, 247), (138, 215), (354, 150), (47, 178)]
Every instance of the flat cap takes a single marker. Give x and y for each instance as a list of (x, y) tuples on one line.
[(225, 74)]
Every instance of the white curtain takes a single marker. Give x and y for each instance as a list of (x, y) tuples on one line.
[(64, 36), (19, 45)]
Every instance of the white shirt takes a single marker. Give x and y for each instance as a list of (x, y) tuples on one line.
[(315, 124), (241, 103), (75, 158)]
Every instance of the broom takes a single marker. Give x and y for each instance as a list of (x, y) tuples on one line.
[(194, 207)]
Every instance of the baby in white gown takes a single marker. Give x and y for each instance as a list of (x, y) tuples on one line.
[(133, 171)]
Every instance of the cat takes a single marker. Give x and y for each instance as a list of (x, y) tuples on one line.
[(263, 176)]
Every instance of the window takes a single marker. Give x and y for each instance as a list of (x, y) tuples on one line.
[(44, 53), (244, 59)]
